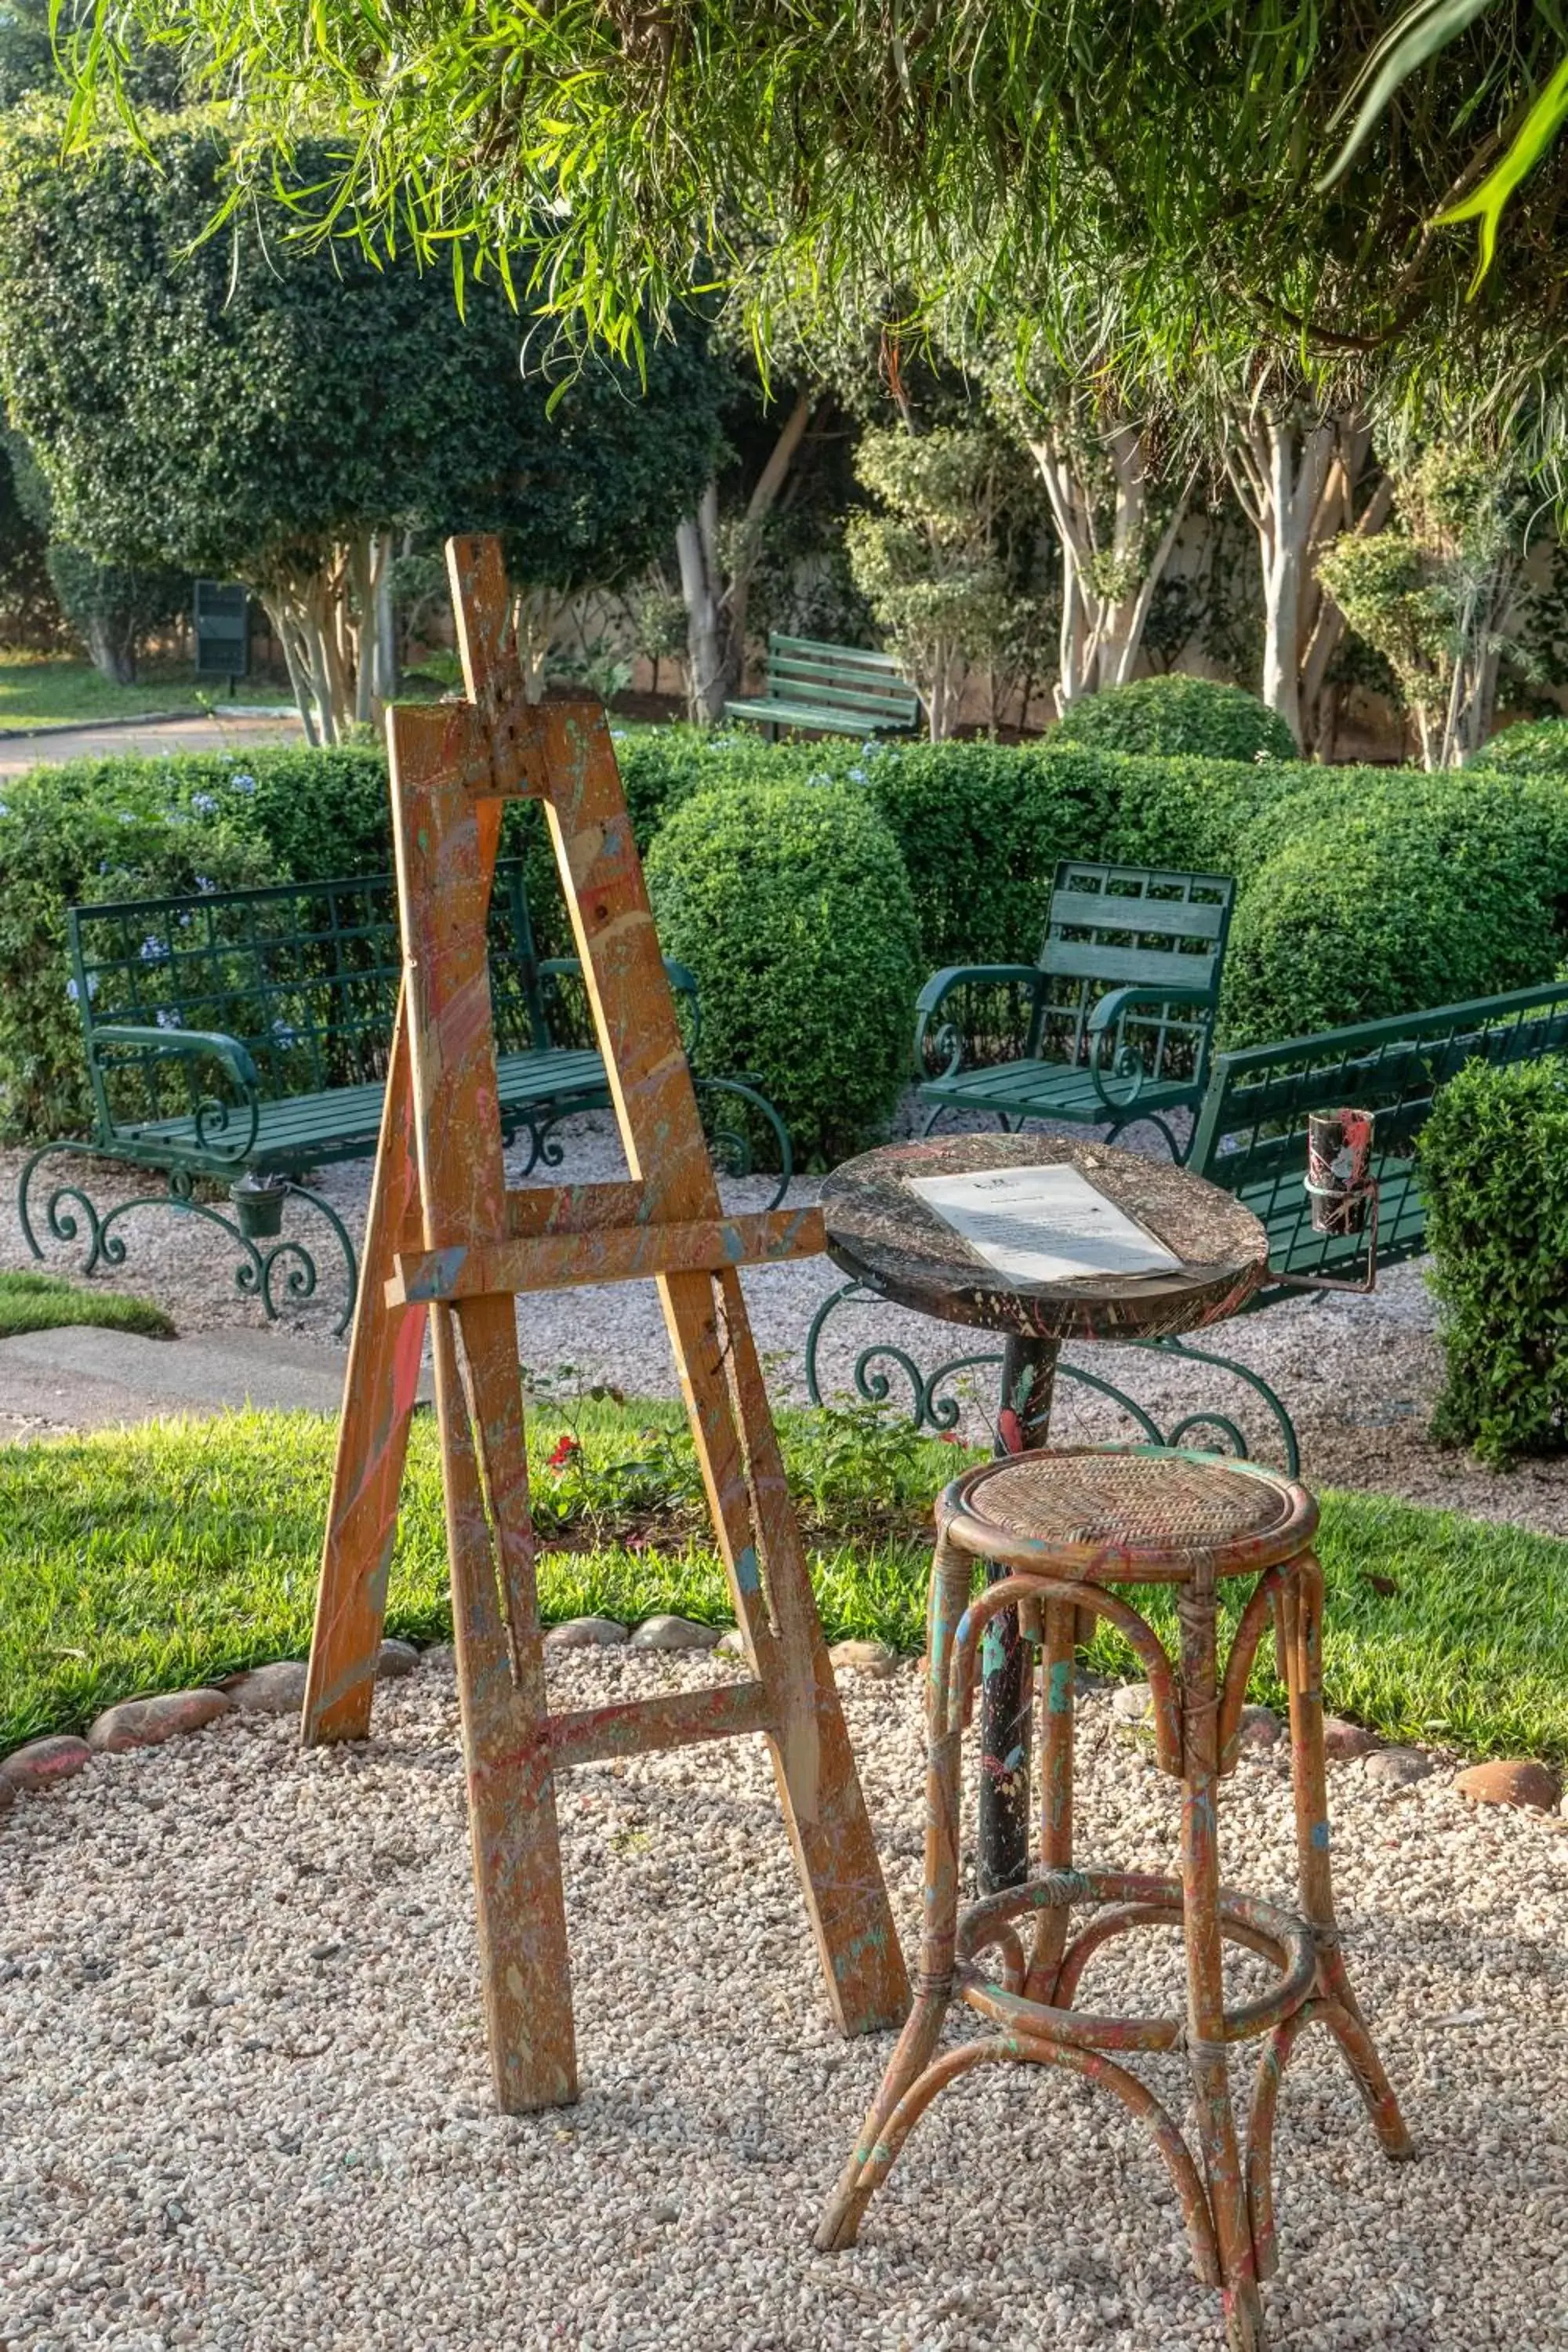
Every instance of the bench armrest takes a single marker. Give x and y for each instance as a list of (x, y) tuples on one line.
[(948, 1040), (1104, 1027), (682, 985), (213, 1117)]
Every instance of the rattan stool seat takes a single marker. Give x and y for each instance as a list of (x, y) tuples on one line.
[(1132, 1515), (1056, 1528)]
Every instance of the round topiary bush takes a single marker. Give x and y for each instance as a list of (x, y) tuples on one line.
[(791, 903), (1430, 896), (1540, 747), (1176, 714)]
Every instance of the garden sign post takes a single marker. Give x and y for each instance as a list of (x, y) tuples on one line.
[(447, 1239)]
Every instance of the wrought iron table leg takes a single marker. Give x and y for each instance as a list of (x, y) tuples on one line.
[(1007, 1660)]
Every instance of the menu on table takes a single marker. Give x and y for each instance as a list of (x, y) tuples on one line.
[(1043, 1224)]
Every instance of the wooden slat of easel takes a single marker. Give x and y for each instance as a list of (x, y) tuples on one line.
[(443, 1227)]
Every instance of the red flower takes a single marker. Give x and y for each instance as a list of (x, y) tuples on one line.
[(566, 1448)]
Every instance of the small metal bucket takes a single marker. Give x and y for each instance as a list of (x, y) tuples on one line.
[(1339, 1155), (258, 1206)]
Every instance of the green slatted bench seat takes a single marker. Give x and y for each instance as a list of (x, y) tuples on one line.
[(241, 1038), (826, 689), (1251, 1131), (1111, 1025)]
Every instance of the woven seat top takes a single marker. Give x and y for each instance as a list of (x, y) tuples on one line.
[(1156, 1506)]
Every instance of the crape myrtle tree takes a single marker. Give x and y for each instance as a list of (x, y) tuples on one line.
[(259, 407)]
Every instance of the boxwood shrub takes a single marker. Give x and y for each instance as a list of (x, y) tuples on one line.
[(1539, 745), (1177, 714), (791, 904), (1431, 893), (1494, 1176)]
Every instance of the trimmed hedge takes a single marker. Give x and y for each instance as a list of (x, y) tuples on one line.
[(1363, 891), (791, 904), (1432, 892), (1539, 745), (1177, 714), (1494, 1176)]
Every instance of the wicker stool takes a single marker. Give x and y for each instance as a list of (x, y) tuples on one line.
[(1068, 1525)]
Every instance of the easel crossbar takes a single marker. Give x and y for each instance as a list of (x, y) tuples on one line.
[(582, 1255), (641, 1727)]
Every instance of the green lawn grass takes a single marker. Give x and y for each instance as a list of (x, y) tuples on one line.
[(141, 1560), (42, 1302), (54, 690)]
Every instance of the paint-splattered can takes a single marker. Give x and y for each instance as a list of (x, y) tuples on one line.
[(1339, 1155)]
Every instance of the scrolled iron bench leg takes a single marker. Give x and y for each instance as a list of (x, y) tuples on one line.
[(253, 1277), (59, 1223)]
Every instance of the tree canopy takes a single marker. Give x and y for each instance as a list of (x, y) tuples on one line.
[(248, 405), (624, 157)]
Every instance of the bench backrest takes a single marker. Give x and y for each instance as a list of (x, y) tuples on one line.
[(859, 684), (1251, 1134), (304, 976), (1113, 927)]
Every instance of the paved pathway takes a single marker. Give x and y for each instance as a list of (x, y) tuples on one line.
[(81, 1378), (147, 738)]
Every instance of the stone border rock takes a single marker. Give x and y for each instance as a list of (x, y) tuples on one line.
[(279, 1689)]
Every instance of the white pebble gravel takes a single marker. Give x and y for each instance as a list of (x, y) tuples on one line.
[(245, 2104)]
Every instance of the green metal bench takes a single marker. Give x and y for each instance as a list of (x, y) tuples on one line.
[(1251, 1132), (1250, 1138), (241, 1038), (1110, 1023), (830, 690)]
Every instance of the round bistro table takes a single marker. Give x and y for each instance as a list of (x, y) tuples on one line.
[(892, 1242)]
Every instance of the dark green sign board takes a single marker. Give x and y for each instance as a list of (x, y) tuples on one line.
[(222, 618)]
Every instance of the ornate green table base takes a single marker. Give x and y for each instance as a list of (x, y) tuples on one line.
[(882, 1365), (266, 1253)]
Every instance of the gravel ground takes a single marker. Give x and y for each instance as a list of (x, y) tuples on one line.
[(1358, 1375), (245, 2101)]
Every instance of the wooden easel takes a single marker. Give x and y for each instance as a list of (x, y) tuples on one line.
[(447, 1239)]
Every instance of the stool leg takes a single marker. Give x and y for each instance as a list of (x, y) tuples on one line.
[(952, 1572), (1207, 2053), (1055, 1794), (1299, 1604)]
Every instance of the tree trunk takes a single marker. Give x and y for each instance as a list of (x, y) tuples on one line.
[(1279, 471), (535, 614), (696, 547), (1102, 630), (111, 648), (716, 608)]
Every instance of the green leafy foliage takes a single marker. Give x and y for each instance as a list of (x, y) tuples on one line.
[(929, 560), (1433, 890), (63, 838), (981, 827), (168, 1555), (254, 406), (128, 828), (791, 904), (1494, 1176), (1177, 713), (1540, 747)]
